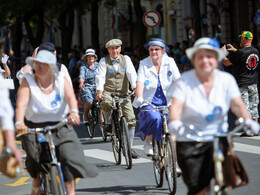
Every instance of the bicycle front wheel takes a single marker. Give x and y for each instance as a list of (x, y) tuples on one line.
[(91, 126), (56, 181), (157, 163), (170, 168), (125, 143), (115, 138)]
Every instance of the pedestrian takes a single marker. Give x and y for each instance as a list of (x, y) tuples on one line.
[(42, 100), (155, 75), (87, 83), (114, 74), (202, 98), (245, 63), (7, 124)]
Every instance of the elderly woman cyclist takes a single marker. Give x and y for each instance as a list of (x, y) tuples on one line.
[(42, 100), (87, 81), (202, 97), (155, 75)]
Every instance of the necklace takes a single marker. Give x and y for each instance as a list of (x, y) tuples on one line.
[(45, 89)]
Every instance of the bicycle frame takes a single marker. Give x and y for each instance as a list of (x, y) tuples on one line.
[(218, 156), (45, 135)]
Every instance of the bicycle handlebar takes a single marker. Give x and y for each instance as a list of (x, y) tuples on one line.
[(157, 108), (120, 100), (200, 137), (45, 129)]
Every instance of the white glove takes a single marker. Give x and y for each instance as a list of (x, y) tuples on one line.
[(251, 126), (176, 127), (5, 58), (138, 102)]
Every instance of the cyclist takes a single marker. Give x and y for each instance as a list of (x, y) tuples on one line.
[(42, 100), (155, 75), (202, 97), (87, 76), (6, 122), (114, 73)]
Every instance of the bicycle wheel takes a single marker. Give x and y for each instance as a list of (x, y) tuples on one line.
[(170, 168), (101, 126), (91, 126), (56, 181), (125, 143), (157, 161), (45, 184), (115, 138)]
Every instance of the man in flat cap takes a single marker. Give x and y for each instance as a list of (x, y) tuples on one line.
[(114, 74)]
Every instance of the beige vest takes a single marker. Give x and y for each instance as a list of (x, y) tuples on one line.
[(116, 82)]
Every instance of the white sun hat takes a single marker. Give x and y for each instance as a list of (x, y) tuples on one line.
[(43, 56), (88, 53), (206, 43)]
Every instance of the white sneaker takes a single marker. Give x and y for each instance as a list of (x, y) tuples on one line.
[(148, 147), (178, 170)]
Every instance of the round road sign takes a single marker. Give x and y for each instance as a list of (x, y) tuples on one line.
[(151, 19)]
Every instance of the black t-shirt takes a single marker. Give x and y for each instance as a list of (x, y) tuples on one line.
[(245, 65)]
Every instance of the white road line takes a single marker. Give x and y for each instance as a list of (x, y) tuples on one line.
[(109, 156), (255, 137), (246, 148)]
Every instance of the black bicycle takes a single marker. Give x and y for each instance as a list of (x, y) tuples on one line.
[(164, 158), (95, 118), (119, 134), (219, 187), (51, 177)]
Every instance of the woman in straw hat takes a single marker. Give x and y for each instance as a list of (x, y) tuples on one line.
[(87, 81), (43, 99), (202, 97)]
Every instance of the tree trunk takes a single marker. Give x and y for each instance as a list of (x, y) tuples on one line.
[(140, 27), (39, 27), (94, 27), (66, 25), (196, 13)]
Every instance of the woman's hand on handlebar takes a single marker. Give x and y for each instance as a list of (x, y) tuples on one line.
[(81, 85), (73, 118), (21, 128)]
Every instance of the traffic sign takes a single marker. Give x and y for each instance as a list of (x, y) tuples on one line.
[(151, 19)]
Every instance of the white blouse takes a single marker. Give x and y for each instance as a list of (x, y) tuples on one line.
[(46, 107), (6, 109), (147, 74), (207, 114)]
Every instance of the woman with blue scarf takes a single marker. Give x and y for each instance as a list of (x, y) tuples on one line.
[(87, 84), (155, 75)]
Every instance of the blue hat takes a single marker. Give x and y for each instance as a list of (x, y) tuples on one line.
[(158, 42)]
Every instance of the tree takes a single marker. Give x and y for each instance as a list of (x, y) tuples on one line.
[(140, 27)]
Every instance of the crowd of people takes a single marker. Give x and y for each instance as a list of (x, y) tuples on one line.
[(196, 96)]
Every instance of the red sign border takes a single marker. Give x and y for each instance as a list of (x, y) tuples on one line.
[(146, 13)]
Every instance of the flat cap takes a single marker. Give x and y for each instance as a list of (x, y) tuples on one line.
[(113, 43)]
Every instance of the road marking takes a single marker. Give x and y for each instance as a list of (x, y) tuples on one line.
[(19, 182), (246, 148), (255, 137), (18, 142), (109, 156), (77, 180)]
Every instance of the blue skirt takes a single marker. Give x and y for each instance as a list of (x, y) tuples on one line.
[(87, 95), (151, 123)]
